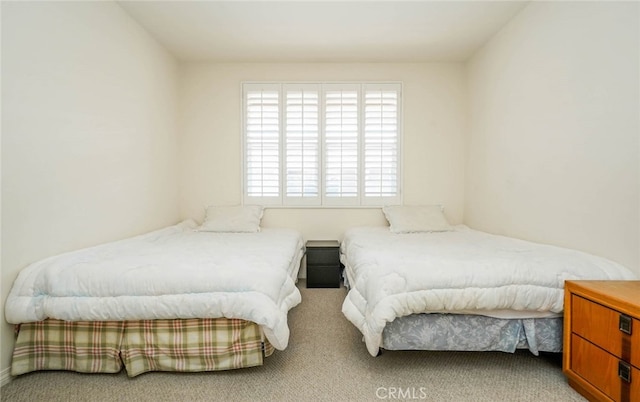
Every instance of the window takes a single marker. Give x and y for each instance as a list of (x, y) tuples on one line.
[(321, 144)]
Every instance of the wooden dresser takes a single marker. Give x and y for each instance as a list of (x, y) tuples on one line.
[(602, 339)]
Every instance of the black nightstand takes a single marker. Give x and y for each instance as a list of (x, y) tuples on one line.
[(323, 264)]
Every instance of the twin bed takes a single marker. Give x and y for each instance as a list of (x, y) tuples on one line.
[(422, 284), (182, 298), (216, 296)]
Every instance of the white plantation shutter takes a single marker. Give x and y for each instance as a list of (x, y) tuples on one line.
[(302, 145), (381, 144), (330, 144), (341, 145), (262, 144)]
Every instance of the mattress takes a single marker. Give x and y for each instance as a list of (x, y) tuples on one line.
[(174, 272), (462, 271)]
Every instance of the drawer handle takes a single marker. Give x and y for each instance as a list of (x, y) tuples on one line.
[(624, 371), (624, 324)]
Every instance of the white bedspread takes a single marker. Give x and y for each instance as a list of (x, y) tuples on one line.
[(394, 275), (175, 272)]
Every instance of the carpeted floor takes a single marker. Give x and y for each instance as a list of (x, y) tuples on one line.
[(325, 361)]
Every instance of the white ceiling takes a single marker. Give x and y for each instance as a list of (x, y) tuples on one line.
[(322, 31)]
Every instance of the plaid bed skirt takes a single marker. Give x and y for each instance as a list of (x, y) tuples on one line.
[(205, 344)]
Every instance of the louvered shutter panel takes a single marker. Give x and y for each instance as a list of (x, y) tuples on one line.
[(381, 144), (302, 145), (262, 144), (331, 144), (341, 145)]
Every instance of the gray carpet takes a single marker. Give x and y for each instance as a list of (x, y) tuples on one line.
[(325, 361)]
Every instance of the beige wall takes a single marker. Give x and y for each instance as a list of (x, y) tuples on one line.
[(553, 150), (434, 108), (88, 133)]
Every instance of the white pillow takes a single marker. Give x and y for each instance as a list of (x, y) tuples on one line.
[(232, 219), (409, 219)]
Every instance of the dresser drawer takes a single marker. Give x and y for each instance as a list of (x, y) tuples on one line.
[(323, 256), (323, 276), (600, 369), (600, 325)]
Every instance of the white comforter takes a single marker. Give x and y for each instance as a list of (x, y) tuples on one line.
[(175, 272), (462, 271)]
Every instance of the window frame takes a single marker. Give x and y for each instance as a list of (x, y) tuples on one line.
[(322, 201)]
